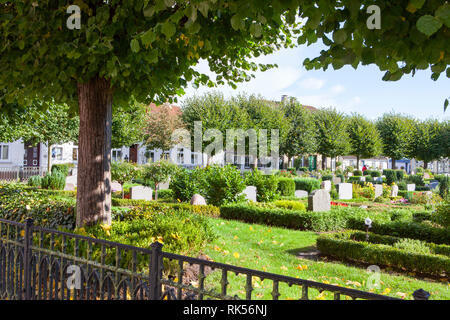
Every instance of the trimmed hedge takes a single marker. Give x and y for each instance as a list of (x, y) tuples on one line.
[(207, 210), (351, 245), (404, 229), (307, 184), (286, 186), (336, 219)]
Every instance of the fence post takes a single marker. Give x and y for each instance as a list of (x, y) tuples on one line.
[(421, 295), (28, 239), (155, 271)]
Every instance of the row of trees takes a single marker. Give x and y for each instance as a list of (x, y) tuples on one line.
[(324, 131)]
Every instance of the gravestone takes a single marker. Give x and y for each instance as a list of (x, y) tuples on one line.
[(345, 191), (378, 190), (379, 179), (433, 184), (250, 193), (301, 193), (336, 180), (319, 200), (411, 187), (198, 200), (394, 191), (350, 174), (69, 187), (116, 187), (362, 179), (71, 180), (326, 185), (163, 186), (141, 193)]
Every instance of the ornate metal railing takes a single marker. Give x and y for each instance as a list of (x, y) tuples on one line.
[(41, 264)]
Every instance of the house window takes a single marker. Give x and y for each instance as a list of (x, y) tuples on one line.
[(4, 152), (165, 156), (180, 156), (75, 154), (116, 155), (57, 153)]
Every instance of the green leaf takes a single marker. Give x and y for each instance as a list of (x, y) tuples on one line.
[(149, 11), (236, 22), (428, 25), (443, 14), (148, 37), (135, 46), (445, 105), (21, 44), (339, 36), (256, 30), (168, 29), (417, 3), (203, 7)]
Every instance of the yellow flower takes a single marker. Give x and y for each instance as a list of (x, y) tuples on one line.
[(236, 255), (386, 291), (283, 268)]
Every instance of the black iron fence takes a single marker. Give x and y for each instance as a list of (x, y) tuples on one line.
[(41, 264)]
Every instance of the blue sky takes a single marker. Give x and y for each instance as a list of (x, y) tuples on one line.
[(347, 90)]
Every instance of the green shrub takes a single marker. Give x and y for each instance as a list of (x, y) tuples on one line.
[(381, 250), (404, 229), (401, 215), (165, 194), (336, 219), (286, 187), (290, 204), (266, 185), (208, 210), (35, 181), (372, 173), (416, 179), (54, 181), (185, 183), (307, 184), (442, 215), (225, 185), (402, 185), (357, 173), (18, 204), (63, 168), (327, 177), (399, 173), (444, 186), (411, 245), (391, 176)]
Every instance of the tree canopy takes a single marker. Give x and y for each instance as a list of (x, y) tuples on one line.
[(365, 141)]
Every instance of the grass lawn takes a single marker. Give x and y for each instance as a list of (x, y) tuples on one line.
[(274, 250)]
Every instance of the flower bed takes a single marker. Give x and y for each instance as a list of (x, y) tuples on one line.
[(390, 251)]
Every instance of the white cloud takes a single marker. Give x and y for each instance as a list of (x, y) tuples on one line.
[(337, 89), (312, 83)]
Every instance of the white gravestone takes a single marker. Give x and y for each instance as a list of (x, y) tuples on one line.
[(394, 191), (198, 200), (301, 193), (345, 191), (326, 184), (411, 187), (250, 193), (141, 193), (319, 200), (378, 190)]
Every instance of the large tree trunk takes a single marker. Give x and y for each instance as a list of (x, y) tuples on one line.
[(357, 163), (425, 165), (324, 162), (393, 163), (94, 171)]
